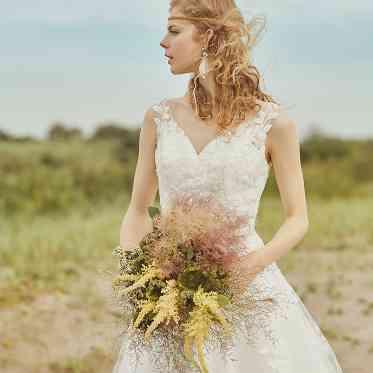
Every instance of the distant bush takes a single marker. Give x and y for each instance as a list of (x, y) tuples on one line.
[(4, 136), (58, 131), (25, 139), (319, 147), (110, 131), (50, 176), (50, 160), (127, 147), (361, 166), (126, 140), (53, 177)]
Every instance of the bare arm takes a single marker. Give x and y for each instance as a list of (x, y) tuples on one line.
[(137, 221), (284, 149)]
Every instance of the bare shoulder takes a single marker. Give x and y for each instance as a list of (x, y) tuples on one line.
[(178, 102), (148, 127), (149, 118), (176, 99), (283, 130), (282, 124), (150, 113)]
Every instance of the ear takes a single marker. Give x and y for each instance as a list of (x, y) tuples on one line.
[(210, 34), (207, 37)]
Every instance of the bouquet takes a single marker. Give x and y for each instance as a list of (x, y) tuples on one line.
[(183, 285)]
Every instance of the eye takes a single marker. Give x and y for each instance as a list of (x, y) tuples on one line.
[(173, 32)]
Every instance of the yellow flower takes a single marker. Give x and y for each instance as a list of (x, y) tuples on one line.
[(125, 277), (145, 308), (205, 313), (166, 307), (149, 273)]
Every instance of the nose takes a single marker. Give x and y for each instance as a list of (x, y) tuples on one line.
[(163, 43)]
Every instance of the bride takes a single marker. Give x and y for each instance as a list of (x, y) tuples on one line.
[(221, 138)]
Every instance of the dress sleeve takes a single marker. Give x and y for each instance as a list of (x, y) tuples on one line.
[(272, 111), (158, 109), (264, 123)]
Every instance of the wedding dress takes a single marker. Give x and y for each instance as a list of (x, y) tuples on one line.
[(234, 170)]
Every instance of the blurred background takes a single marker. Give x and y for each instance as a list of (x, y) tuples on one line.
[(76, 80)]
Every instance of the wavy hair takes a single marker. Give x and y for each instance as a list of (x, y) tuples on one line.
[(237, 80)]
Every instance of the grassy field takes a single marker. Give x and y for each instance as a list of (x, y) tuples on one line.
[(61, 206), (57, 315)]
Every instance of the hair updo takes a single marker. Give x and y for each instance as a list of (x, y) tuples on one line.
[(237, 80)]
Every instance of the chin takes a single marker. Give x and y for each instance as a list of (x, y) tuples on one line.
[(175, 72), (180, 72)]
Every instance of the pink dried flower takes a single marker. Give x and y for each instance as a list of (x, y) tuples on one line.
[(210, 229)]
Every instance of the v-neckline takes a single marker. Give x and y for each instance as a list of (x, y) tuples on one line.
[(199, 155)]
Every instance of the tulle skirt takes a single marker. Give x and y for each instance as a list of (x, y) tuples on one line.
[(289, 341)]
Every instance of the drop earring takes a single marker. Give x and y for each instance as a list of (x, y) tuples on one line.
[(202, 72), (204, 65)]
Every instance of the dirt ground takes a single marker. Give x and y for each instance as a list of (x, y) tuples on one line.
[(76, 331)]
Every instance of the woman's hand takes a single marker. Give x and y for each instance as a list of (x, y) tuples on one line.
[(252, 263)]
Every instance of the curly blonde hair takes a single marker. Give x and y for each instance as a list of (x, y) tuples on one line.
[(237, 80)]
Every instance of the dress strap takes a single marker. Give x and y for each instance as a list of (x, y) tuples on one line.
[(263, 123), (159, 109), (161, 114), (270, 112)]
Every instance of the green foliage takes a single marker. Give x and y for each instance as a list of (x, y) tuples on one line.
[(153, 210), (53, 176), (192, 279), (58, 131), (334, 168), (318, 147), (361, 165), (4, 136), (112, 131), (127, 148), (39, 252)]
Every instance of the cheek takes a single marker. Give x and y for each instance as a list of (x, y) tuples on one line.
[(187, 48)]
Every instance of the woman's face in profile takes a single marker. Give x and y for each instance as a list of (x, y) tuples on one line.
[(181, 48)]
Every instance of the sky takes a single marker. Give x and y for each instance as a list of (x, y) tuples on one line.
[(89, 62)]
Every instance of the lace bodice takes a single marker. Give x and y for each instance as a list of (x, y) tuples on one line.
[(234, 170)]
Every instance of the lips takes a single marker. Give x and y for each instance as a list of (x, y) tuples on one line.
[(169, 59)]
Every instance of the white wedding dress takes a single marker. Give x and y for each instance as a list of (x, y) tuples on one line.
[(235, 172)]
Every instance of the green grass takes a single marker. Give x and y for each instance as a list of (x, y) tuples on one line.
[(51, 177), (62, 205), (44, 253), (335, 225)]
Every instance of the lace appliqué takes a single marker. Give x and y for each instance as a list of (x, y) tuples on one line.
[(263, 123), (163, 115)]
